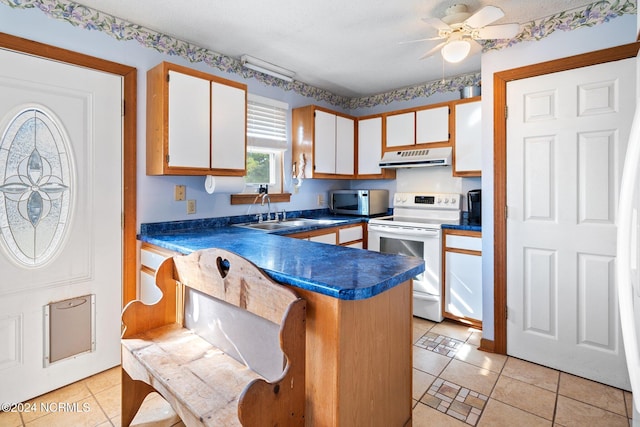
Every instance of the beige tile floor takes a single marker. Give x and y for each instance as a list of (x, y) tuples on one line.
[(454, 384)]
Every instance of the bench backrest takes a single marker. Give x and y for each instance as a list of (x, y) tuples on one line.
[(235, 306)]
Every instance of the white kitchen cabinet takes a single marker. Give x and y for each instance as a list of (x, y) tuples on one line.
[(196, 123), (352, 235), (188, 121), (228, 126), (432, 125), (334, 144), (401, 129), (150, 259), (369, 146), (467, 137), (424, 125), (462, 276), (370, 149), (329, 238), (325, 140), (345, 146)]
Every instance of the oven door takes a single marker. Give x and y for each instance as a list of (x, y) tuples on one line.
[(417, 242)]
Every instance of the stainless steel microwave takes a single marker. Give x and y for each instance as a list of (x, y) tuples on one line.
[(359, 202)]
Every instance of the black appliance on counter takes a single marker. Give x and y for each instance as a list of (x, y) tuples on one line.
[(474, 205)]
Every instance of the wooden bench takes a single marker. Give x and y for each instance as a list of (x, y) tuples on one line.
[(224, 345)]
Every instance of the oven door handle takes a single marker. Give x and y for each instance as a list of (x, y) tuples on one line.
[(404, 231)]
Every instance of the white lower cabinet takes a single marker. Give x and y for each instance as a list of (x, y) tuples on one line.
[(329, 238), (348, 235), (150, 259), (462, 276)]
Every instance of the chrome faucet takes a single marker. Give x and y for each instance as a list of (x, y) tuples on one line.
[(266, 197)]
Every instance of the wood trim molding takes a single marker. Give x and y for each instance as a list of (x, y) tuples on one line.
[(129, 183), (250, 198), (500, 80), (487, 345)]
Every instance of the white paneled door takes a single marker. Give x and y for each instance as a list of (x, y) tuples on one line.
[(566, 141), (60, 224)]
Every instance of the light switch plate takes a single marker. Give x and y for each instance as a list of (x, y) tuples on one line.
[(180, 193), (191, 206)]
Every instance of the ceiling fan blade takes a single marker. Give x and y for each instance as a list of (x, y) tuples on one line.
[(421, 40), (504, 31), (433, 50), (437, 24), (484, 16)]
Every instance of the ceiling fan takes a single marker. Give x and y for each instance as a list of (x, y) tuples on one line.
[(459, 27)]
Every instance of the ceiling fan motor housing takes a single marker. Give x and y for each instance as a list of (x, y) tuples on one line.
[(456, 14)]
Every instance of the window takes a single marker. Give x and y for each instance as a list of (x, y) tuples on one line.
[(36, 186), (266, 142)]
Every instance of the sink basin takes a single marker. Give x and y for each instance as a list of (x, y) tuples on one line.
[(289, 223), (299, 222), (266, 226)]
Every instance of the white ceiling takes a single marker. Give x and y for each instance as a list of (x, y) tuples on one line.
[(350, 48)]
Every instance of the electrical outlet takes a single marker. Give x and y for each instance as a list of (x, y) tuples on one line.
[(320, 199), (180, 193), (191, 206)]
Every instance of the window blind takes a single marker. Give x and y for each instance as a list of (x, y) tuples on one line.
[(266, 123)]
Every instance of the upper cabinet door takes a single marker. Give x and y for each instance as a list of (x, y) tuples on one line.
[(324, 142), (432, 125), (188, 121), (401, 129), (228, 127), (196, 123), (345, 146), (468, 139), (369, 146)]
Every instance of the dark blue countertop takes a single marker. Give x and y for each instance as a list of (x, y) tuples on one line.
[(340, 272), (463, 226)]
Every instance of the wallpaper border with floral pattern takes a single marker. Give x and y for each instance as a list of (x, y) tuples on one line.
[(87, 18)]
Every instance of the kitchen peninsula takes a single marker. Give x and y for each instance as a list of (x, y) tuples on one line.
[(359, 322)]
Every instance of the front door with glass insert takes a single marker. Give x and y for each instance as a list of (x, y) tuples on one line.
[(60, 224)]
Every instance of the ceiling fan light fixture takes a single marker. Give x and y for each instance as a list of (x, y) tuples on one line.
[(456, 50)]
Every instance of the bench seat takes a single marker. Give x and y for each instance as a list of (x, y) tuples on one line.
[(192, 368)]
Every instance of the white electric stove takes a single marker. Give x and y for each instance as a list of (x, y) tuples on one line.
[(415, 229)]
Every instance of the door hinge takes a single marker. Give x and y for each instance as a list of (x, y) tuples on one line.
[(167, 77), (167, 159), (123, 107), (506, 112), (506, 312), (122, 220)]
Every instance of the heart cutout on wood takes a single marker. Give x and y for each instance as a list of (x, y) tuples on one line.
[(223, 266)]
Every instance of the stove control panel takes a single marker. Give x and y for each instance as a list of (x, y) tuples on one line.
[(428, 200)]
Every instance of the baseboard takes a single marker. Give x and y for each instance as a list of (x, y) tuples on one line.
[(487, 345)]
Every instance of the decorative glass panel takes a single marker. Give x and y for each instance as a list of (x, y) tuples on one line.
[(35, 186)]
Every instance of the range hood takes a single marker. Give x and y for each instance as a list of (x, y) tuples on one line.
[(416, 158)]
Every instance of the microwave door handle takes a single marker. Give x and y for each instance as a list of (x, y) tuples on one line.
[(405, 231)]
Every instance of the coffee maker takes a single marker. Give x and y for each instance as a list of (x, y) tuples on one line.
[(474, 205)]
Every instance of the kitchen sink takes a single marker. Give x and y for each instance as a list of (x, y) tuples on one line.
[(289, 223), (266, 226), (300, 222)]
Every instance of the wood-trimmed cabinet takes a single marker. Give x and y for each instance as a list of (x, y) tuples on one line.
[(196, 123), (467, 137), (352, 235), (421, 127), (326, 139), (462, 276), (151, 257), (369, 148)]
